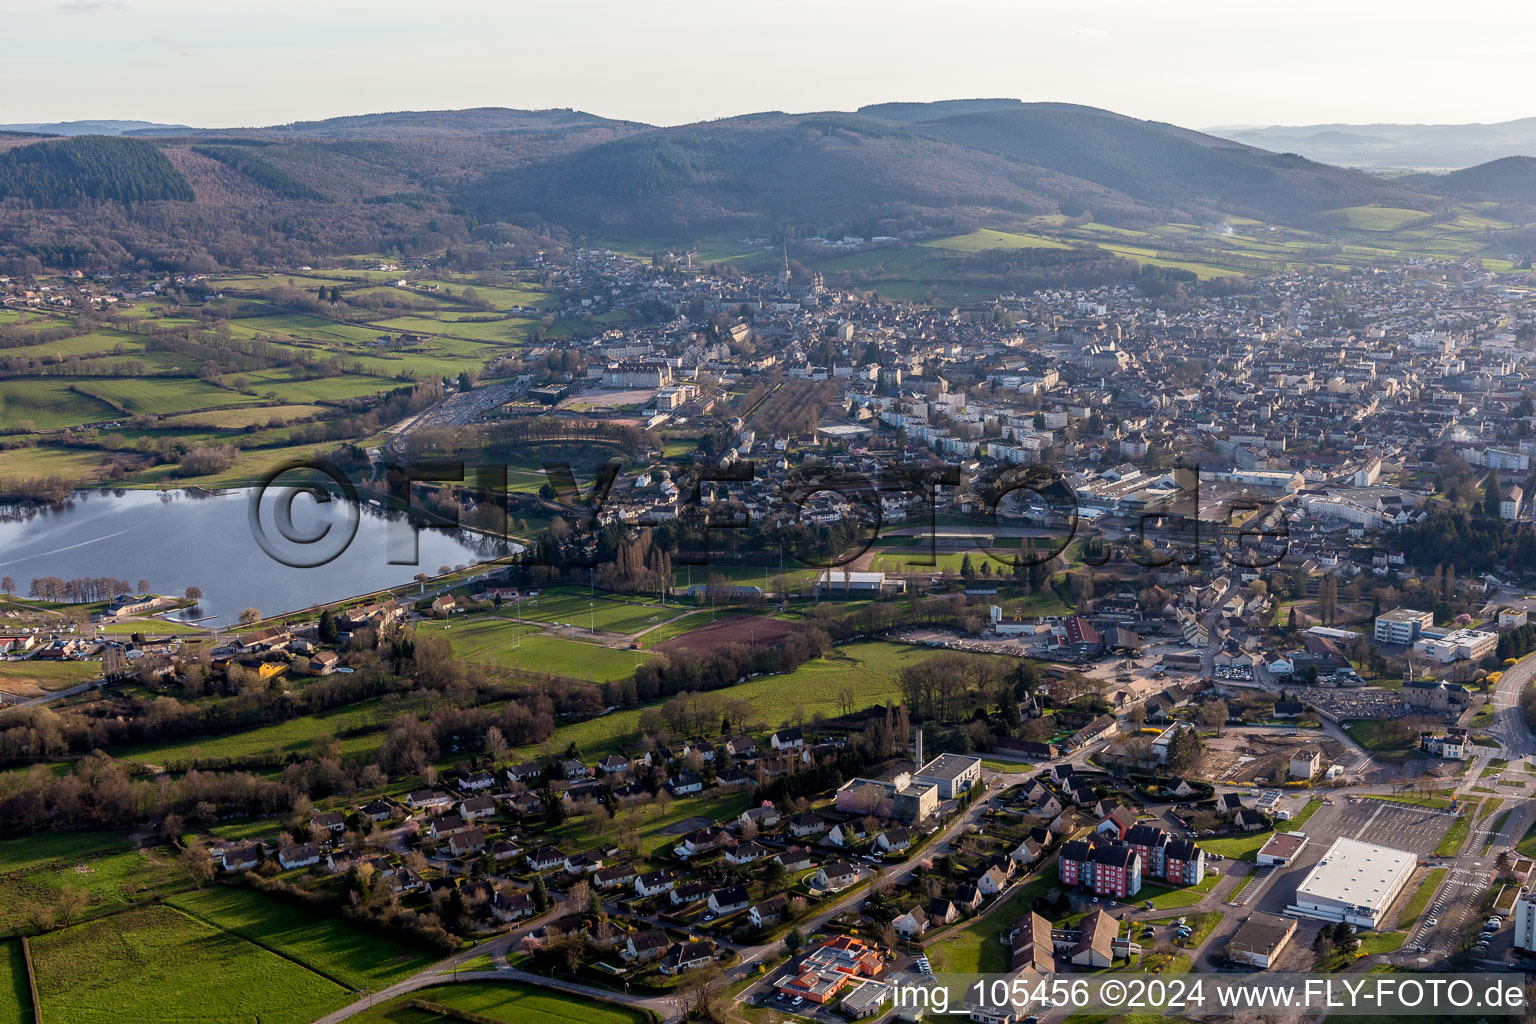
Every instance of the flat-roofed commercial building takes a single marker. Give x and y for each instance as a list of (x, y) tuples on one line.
[(1355, 882), (1261, 940)]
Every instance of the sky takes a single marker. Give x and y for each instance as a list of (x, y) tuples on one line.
[(222, 63)]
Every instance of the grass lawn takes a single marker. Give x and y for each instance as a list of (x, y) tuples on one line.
[(15, 998), (1420, 898), (500, 641), (1168, 898), (1527, 845), (151, 627), (1237, 847), (294, 734), (976, 948), (1376, 943), (157, 964), (1434, 803), (1455, 836), (350, 954), (1201, 924), (515, 1004), (658, 826), (1301, 816), (1379, 739)]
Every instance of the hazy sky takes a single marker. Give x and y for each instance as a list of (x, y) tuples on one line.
[(251, 62)]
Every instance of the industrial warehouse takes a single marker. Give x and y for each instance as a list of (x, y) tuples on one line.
[(1354, 882)]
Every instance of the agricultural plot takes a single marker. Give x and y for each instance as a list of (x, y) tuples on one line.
[(37, 851), (238, 419), (514, 1004), (110, 882), (160, 396), (30, 678), (15, 996), (868, 670), (151, 965), (355, 956), (48, 404), (987, 238), (295, 734)]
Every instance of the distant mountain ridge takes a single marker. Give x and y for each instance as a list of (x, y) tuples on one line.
[(106, 127), (1396, 146), (413, 181)]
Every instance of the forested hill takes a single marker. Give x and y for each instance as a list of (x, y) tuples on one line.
[(1164, 166), (63, 173), (1510, 180)]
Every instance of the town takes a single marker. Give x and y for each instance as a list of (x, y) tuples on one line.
[(1078, 630)]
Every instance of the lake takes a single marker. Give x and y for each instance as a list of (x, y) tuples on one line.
[(179, 539)]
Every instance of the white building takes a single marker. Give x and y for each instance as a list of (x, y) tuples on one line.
[(1525, 924), (1402, 625), (1354, 882), (1457, 645), (953, 774)]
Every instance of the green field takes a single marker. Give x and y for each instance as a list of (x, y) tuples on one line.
[(867, 668), (515, 1004), (1169, 897), (500, 641), (351, 954), (295, 734), (15, 996), (156, 964), (610, 614), (46, 676), (975, 948), (111, 881), (1244, 847), (37, 851), (48, 404)]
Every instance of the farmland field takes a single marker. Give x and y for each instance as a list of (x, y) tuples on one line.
[(111, 881), (46, 848), (48, 405), (731, 629), (15, 999), (515, 1004), (150, 965), (868, 669), (144, 395), (32, 677), (351, 954)]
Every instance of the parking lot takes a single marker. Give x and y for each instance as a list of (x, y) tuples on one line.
[(1415, 829)]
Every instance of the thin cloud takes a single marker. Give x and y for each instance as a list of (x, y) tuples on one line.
[(90, 6), (1092, 33)]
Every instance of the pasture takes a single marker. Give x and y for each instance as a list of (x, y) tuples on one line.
[(155, 964), (15, 997), (345, 952), (33, 677), (502, 1001), (868, 670), (48, 404), (111, 882)]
